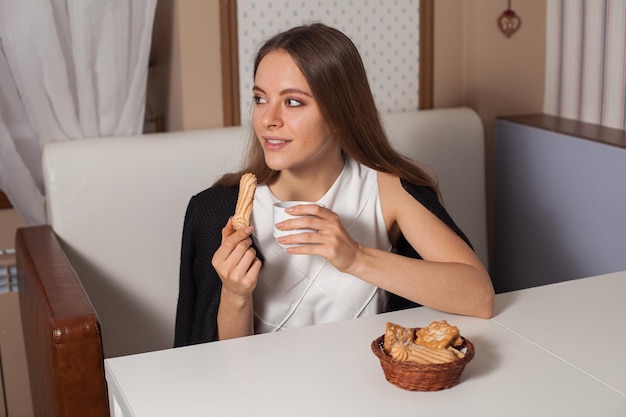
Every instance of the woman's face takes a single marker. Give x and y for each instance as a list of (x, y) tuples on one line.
[(287, 120)]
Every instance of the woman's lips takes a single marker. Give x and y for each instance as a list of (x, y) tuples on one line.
[(274, 143)]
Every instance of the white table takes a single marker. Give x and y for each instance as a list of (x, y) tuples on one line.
[(521, 368), (583, 322)]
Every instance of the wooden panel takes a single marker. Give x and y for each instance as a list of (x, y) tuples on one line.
[(230, 63), (4, 201), (576, 128), (426, 55)]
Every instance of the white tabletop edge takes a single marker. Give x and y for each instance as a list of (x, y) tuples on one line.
[(116, 396)]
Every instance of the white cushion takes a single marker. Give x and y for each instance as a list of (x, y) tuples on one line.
[(450, 144)]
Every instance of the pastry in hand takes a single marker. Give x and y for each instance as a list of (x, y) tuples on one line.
[(243, 210)]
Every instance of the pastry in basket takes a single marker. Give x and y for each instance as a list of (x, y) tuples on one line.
[(421, 354), (433, 363), (396, 334), (434, 344), (438, 335)]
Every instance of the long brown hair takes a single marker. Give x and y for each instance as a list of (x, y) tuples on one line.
[(332, 66)]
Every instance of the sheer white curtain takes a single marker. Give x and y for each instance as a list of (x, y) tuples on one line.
[(586, 61), (69, 69)]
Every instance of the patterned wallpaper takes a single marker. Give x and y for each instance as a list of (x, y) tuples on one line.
[(386, 32), (586, 61)]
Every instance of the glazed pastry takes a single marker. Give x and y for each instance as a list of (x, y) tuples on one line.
[(437, 343), (438, 335), (396, 334), (243, 210)]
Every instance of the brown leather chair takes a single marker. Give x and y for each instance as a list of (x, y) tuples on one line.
[(61, 330)]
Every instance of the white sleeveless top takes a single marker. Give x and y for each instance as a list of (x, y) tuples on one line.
[(301, 290)]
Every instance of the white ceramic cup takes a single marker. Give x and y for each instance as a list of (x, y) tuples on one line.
[(281, 215)]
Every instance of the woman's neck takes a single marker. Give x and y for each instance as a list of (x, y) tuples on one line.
[(307, 184)]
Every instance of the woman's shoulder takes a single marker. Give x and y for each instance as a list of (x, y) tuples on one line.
[(422, 193), (216, 192), (430, 199), (216, 200), (392, 182)]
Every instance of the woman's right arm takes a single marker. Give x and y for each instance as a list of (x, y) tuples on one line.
[(238, 267)]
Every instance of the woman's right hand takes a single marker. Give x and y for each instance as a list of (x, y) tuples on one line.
[(236, 262)]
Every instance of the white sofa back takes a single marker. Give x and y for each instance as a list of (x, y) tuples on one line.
[(117, 204)]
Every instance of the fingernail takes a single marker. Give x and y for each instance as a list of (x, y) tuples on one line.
[(289, 209), (279, 225), (249, 229)]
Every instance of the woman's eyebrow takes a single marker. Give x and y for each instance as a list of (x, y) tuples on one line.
[(285, 91)]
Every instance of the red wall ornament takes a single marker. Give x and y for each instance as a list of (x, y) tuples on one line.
[(509, 22)]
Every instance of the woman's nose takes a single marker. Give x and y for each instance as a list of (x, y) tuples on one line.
[(272, 116)]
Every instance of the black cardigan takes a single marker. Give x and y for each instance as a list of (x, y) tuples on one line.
[(200, 286)]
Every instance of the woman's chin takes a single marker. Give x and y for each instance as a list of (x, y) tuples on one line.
[(275, 165)]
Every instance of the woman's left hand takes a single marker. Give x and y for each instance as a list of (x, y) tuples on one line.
[(331, 241)]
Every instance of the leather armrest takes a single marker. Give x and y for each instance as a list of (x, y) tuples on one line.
[(61, 330)]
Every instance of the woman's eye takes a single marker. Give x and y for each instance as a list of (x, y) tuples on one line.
[(259, 100), (293, 103)]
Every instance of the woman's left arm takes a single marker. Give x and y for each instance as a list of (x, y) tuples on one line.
[(450, 277)]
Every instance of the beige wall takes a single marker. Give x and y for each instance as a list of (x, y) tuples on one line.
[(184, 84), (477, 66)]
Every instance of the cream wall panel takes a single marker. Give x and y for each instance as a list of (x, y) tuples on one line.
[(386, 33)]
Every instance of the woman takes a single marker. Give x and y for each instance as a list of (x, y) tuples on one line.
[(383, 239)]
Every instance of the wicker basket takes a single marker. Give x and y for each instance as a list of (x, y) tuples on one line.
[(417, 377)]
